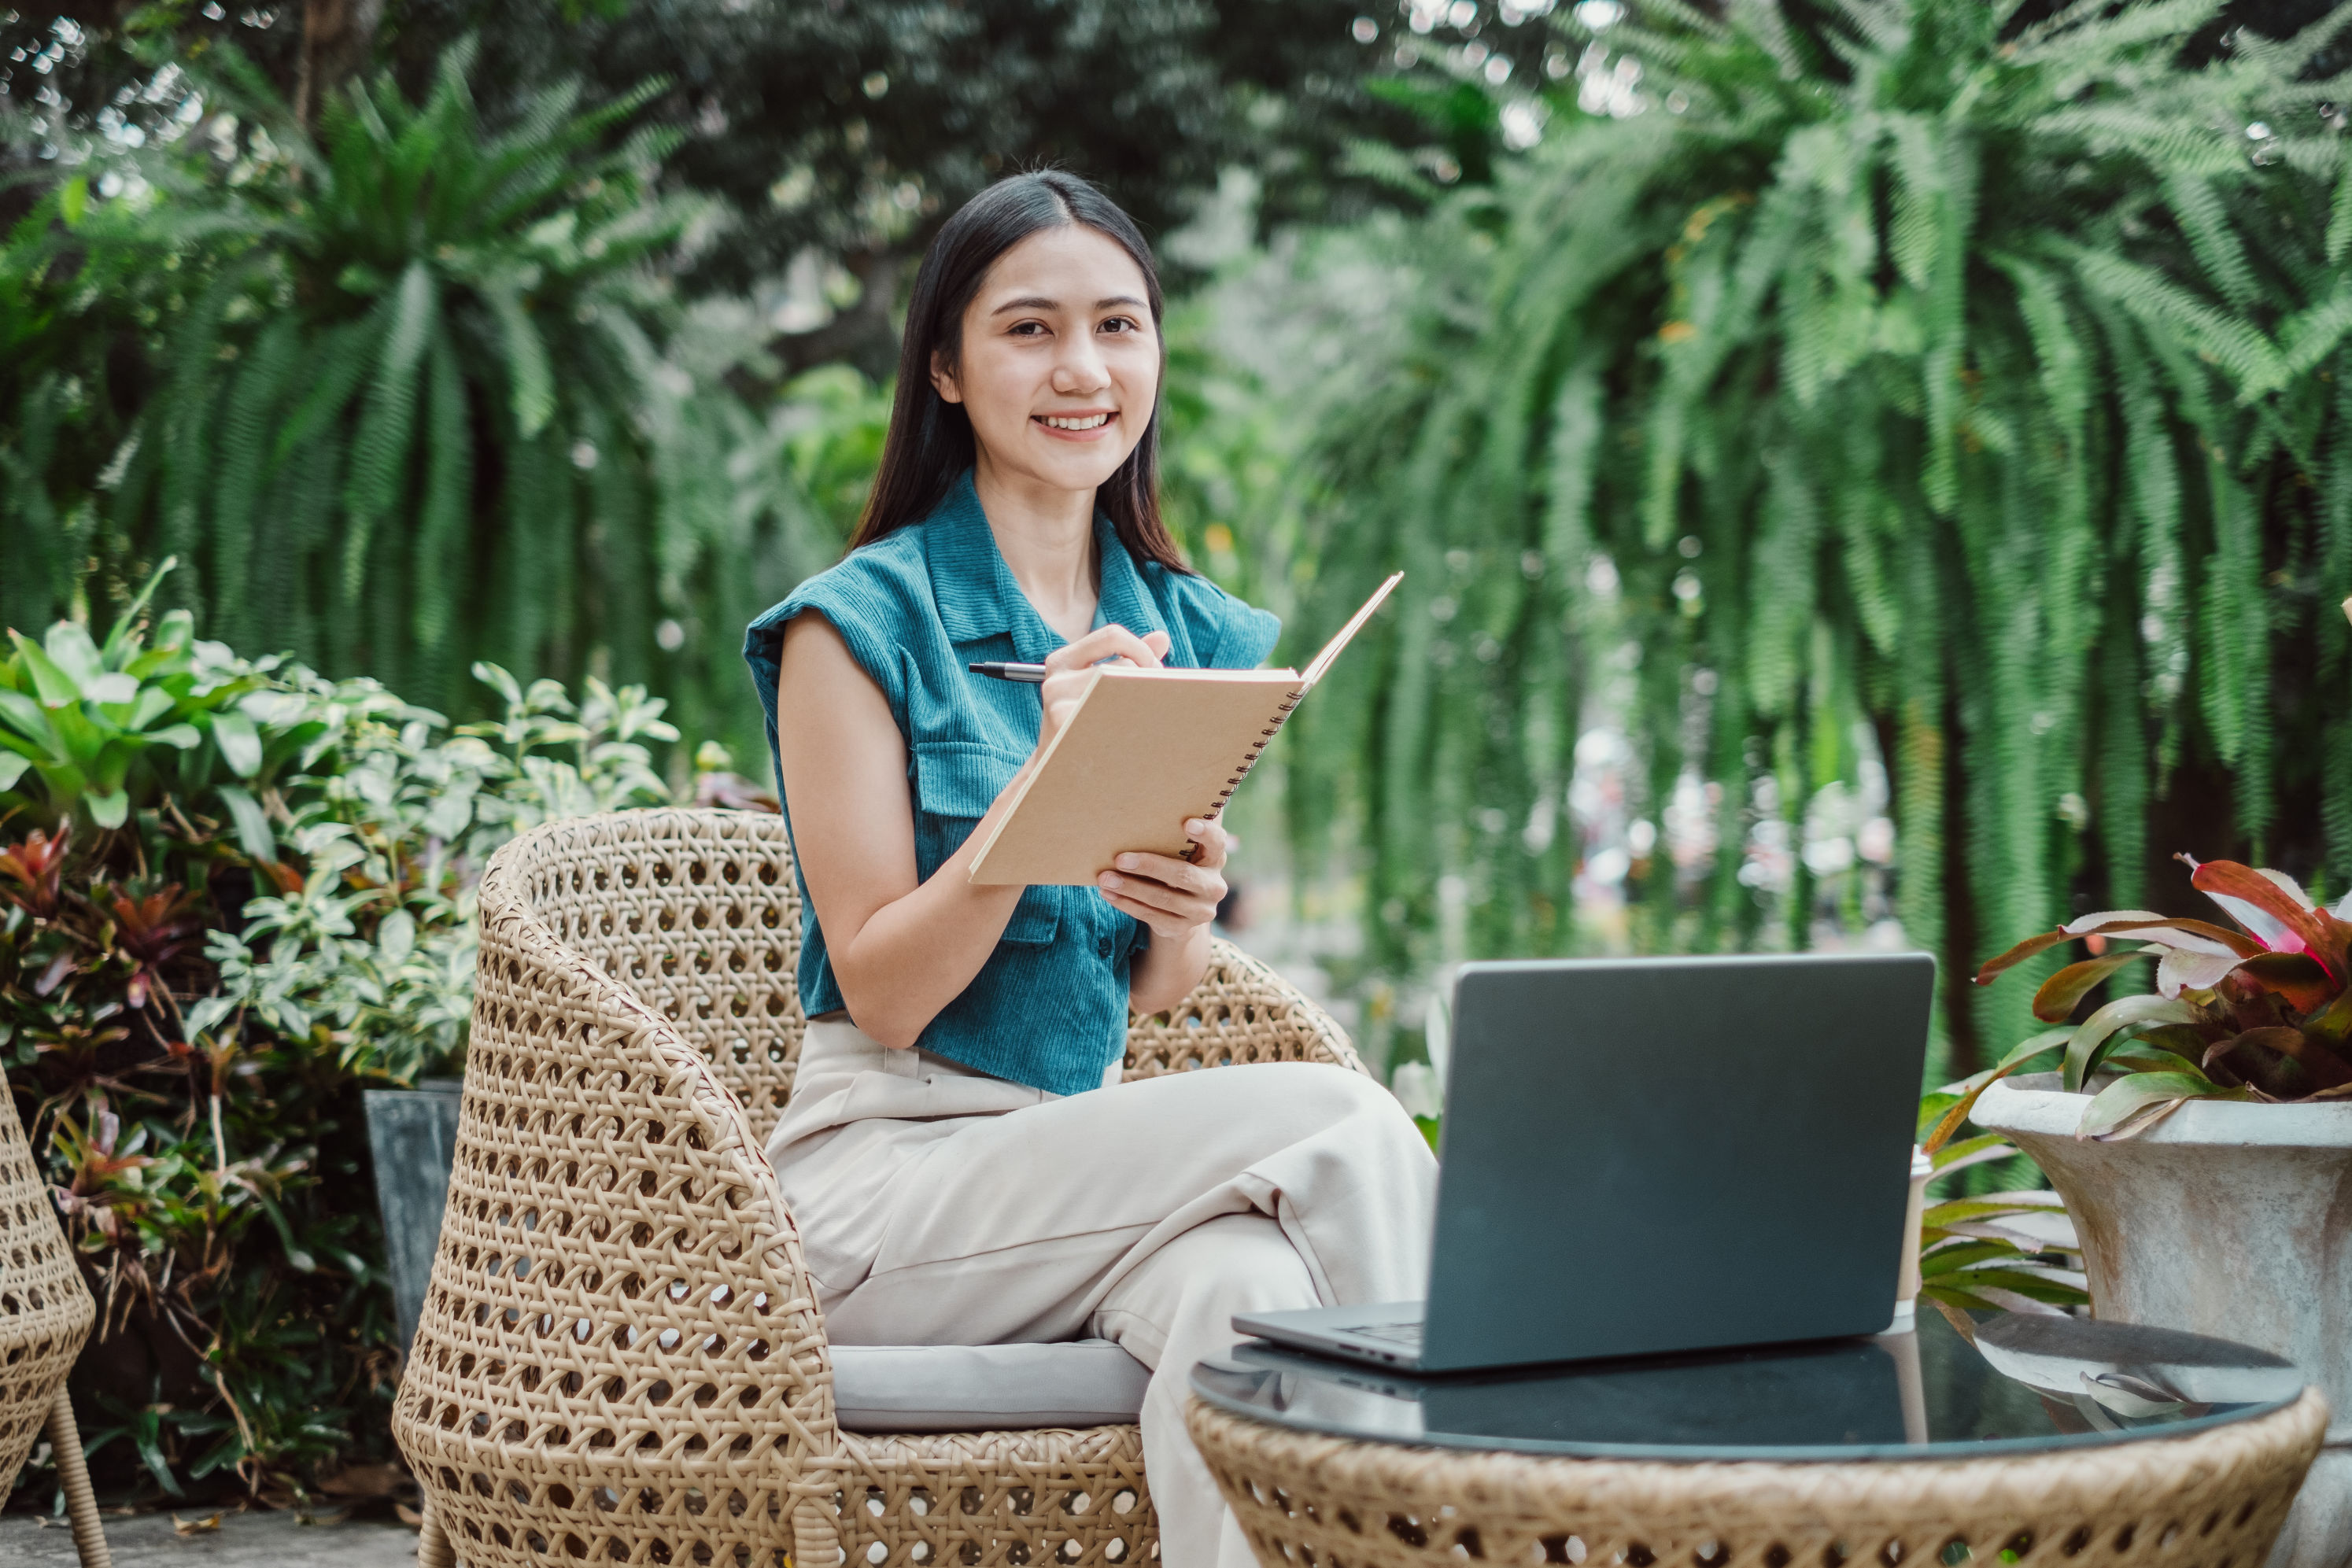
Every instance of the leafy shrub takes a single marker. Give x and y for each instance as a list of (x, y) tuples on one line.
[(236, 893)]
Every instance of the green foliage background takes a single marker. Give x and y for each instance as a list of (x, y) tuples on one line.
[(1954, 387), (1932, 381)]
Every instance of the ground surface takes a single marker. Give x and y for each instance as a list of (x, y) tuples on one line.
[(242, 1541)]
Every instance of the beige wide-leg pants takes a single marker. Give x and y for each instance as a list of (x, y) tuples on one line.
[(939, 1206)]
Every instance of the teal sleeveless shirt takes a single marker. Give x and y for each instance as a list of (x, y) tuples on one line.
[(1049, 1008)]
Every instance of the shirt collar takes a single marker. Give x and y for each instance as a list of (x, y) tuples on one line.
[(1124, 600), (978, 597)]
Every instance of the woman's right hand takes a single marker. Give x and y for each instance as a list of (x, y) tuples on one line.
[(1067, 664)]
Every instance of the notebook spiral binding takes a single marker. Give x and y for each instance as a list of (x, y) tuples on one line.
[(1265, 738)]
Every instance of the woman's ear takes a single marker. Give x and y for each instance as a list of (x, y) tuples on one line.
[(943, 379)]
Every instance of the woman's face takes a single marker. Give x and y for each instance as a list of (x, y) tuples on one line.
[(1060, 361)]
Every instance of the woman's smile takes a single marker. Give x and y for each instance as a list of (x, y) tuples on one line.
[(1091, 425)]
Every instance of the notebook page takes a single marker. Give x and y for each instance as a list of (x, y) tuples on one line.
[(1331, 649)]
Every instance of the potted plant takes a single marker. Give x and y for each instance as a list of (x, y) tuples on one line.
[(2201, 1137)]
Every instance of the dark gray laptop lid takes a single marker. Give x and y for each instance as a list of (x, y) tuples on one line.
[(1674, 1153)]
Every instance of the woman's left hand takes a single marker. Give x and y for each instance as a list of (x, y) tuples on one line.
[(1174, 898)]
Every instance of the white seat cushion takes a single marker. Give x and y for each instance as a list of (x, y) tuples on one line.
[(985, 1387)]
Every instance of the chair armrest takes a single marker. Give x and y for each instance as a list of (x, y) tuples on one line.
[(1240, 1012)]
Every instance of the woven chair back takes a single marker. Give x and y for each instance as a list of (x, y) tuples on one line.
[(698, 913), (46, 1311), (620, 1341)]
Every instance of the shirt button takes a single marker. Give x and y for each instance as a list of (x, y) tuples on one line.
[(1102, 945)]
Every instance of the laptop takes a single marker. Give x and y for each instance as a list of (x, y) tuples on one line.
[(1644, 1156)]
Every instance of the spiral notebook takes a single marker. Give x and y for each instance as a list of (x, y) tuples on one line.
[(1146, 750)]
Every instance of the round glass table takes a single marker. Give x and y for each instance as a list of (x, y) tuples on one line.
[(2018, 1438), (2027, 1384)]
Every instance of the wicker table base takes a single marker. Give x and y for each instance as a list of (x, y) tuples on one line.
[(2212, 1499)]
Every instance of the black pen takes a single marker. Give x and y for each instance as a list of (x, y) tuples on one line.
[(1027, 674)]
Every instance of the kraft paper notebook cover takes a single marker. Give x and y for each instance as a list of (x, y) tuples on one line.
[(1145, 750)]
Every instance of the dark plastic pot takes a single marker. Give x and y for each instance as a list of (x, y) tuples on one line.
[(413, 1136)]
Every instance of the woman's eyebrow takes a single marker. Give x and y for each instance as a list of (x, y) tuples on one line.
[(1039, 302)]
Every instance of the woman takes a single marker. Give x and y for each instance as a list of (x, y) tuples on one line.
[(964, 1163)]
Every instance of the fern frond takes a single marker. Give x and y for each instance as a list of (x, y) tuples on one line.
[(441, 582), (336, 365), (2238, 348), (2199, 209), (380, 444), (2093, 35), (252, 405)]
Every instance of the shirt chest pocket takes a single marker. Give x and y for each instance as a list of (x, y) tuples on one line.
[(955, 783)]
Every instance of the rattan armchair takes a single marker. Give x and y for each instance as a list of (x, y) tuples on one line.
[(45, 1311), (621, 1358)]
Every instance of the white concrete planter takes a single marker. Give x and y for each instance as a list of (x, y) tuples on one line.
[(2228, 1219)]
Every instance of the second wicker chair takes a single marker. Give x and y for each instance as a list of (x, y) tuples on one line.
[(45, 1311), (621, 1357)]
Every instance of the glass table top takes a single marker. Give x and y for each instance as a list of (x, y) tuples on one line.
[(2027, 1384)]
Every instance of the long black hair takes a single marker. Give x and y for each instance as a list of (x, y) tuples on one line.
[(930, 441)]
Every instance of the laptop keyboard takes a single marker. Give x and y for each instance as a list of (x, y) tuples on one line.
[(1405, 1335)]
